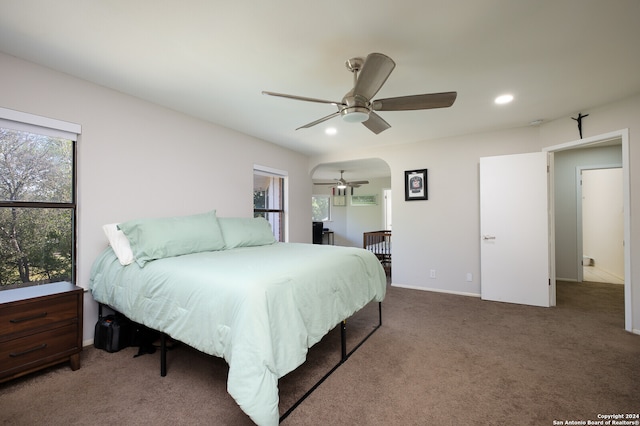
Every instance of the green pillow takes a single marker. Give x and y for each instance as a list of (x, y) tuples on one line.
[(152, 239), (245, 232)]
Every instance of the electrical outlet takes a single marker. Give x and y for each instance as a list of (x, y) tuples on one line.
[(469, 277), (432, 273)]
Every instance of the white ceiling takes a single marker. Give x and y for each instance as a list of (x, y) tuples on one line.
[(211, 59)]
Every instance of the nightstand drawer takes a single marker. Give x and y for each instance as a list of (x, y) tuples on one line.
[(42, 348), (34, 314)]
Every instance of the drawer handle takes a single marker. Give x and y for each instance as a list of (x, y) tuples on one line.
[(32, 317), (27, 351)]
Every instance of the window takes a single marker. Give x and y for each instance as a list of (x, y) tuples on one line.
[(37, 199), (269, 198), (321, 208)]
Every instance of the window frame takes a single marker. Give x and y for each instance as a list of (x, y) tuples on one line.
[(282, 211), (328, 198), (21, 121)]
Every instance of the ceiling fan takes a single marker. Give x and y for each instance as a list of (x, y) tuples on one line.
[(342, 184), (368, 77)]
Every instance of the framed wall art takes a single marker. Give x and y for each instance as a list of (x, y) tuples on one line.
[(415, 185), (364, 200)]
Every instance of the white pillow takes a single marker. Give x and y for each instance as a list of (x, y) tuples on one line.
[(119, 243)]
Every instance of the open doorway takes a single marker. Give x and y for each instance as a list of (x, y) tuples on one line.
[(617, 138), (386, 194), (357, 209)]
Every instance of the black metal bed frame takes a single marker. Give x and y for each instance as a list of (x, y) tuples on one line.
[(344, 355)]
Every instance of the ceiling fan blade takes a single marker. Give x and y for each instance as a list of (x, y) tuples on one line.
[(407, 103), (313, 123), (375, 123), (301, 98), (325, 183), (358, 182), (375, 71)]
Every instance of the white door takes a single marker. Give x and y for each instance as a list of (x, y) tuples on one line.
[(514, 226)]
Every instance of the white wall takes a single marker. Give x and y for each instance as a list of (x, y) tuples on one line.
[(603, 219), (443, 232), (136, 159)]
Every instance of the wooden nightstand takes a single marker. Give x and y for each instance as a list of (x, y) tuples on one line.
[(39, 326)]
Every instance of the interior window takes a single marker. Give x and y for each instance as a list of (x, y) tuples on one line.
[(37, 205)]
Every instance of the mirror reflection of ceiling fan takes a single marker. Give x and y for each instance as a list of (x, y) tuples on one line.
[(342, 183), (357, 105)]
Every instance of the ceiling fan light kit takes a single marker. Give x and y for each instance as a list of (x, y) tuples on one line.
[(343, 184), (357, 105), (355, 114)]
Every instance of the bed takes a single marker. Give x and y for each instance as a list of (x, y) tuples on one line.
[(260, 306), (379, 243)]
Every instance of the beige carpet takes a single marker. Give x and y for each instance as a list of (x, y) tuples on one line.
[(438, 359)]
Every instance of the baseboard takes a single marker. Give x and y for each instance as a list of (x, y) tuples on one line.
[(88, 342), (436, 290), (571, 280)]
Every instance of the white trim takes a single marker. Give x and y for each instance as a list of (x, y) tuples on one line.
[(269, 171), (593, 140), (18, 120), (551, 244), (570, 280), (436, 290)]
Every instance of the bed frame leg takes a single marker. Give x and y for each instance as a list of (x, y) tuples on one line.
[(343, 340), (163, 354)]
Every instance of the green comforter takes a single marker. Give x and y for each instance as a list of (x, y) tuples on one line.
[(260, 308)]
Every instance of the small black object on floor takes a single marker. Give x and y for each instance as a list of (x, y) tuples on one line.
[(115, 332)]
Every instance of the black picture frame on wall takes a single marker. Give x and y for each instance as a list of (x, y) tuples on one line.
[(415, 185)]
